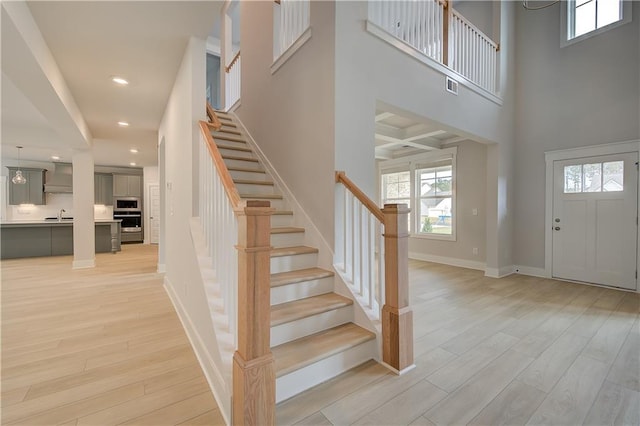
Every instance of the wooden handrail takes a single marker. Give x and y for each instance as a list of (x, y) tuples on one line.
[(233, 62), (225, 176), (213, 117), (466, 21), (342, 178)]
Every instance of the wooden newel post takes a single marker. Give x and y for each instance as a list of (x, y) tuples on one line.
[(254, 381), (397, 317)]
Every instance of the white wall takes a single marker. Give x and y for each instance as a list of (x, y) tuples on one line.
[(370, 70), (470, 194), (585, 94), (186, 106), (479, 13), (290, 113)]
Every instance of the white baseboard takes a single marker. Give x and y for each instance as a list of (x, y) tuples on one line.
[(452, 261), (84, 264), (162, 268), (215, 378), (499, 272), (531, 271)]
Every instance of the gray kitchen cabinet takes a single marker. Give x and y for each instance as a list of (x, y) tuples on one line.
[(103, 189), (61, 240), (127, 185), (31, 192)]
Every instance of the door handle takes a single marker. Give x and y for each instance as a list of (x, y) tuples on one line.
[(557, 228)]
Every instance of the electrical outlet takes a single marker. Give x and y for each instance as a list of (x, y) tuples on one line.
[(474, 212), (475, 251)]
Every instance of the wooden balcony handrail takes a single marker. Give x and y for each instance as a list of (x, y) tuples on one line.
[(213, 117), (232, 63), (478, 30), (342, 178), (221, 168)]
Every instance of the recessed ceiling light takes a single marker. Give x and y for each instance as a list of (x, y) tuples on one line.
[(123, 124), (132, 164), (55, 157), (119, 80), (133, 151)]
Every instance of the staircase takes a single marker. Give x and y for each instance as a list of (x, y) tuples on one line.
[(313, 337)]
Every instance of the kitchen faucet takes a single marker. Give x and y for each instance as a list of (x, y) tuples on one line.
[(60, 214)]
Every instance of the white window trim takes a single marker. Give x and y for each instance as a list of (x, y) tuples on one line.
[(565, 25), (409, 164)]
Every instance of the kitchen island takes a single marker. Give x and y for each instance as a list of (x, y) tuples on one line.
[(36, 238)]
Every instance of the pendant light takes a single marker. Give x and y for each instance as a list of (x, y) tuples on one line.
[(18, 179)]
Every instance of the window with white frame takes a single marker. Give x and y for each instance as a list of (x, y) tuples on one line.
[(584, 18), (426, 183)]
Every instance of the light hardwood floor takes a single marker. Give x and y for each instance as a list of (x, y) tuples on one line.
[(97, 346), (519, 350), (104, 346)]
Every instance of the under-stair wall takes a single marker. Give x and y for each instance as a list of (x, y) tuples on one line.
[(290, 111)]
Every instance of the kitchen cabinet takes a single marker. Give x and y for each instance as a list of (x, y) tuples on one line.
[(127, 185), (31, 192), (103, 189)]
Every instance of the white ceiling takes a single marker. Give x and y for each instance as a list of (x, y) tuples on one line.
[(143, 41), (399, 133)]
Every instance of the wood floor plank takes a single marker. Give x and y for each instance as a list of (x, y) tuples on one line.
[(406, 406), (317, 419), (625, 370), (606, 343), (356, 405), (177, 412), (461, 369), (570, 399), (468, 400), (615, 405), (210, 418), (551, 365), (513, 406)]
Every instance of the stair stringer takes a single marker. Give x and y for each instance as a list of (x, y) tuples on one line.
[(313, 237)]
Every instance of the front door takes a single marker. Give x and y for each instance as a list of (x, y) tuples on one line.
[(594, 220)]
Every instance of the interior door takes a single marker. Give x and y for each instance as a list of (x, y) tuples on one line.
[(594, 220), (154, 214)]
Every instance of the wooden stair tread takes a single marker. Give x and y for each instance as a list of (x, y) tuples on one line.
[(228, 138), (245, 169), (261, 196), (282, 213), (252, 182), (234, 148), (304, 308), (233, 157), (228, 124), (292, 251), (286, 230), (223, 116), (298, 276), (297, 354)]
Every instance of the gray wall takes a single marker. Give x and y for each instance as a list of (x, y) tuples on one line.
[(471, 191), (290, 113), (585, 94), (480, 14)]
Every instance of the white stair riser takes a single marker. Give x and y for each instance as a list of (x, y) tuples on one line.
[(249, 175), (300, 380), (302, 290), (287, 240), (293, 330), (241, 163), (219, 139), (234, 153), (281, 220), (244, 188), (291, 263)]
